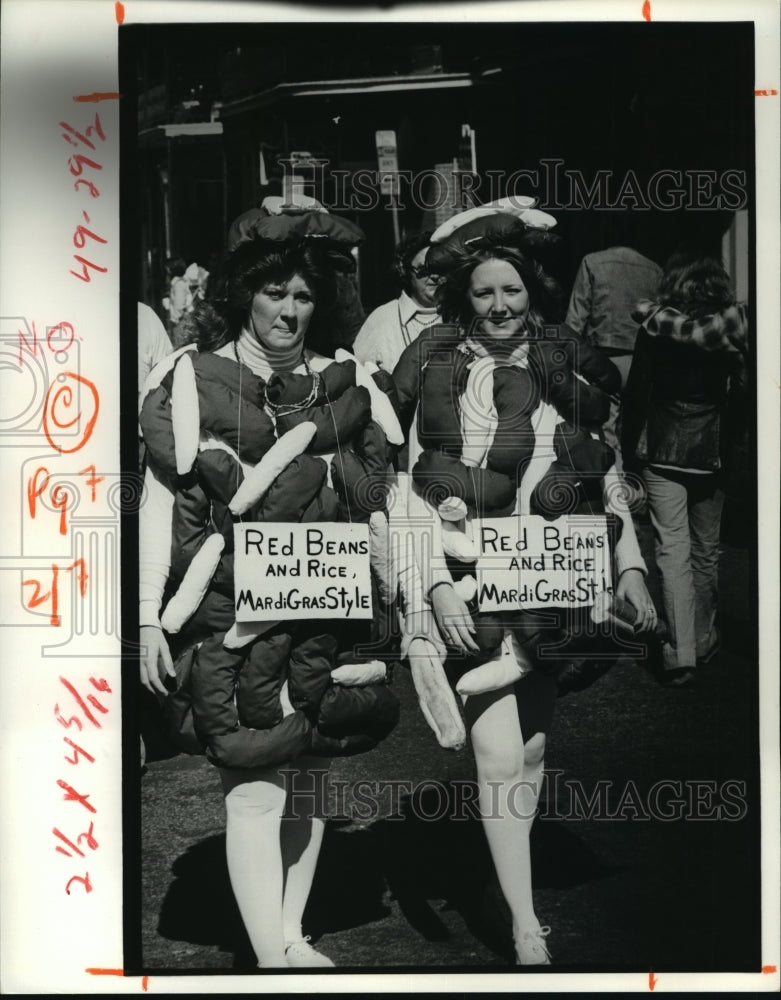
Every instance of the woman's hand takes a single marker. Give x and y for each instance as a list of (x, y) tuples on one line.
[(453, 619), (631, 587), (154, 653)]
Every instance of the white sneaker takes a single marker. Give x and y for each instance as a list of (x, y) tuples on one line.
[(531, 949), (301, 955)]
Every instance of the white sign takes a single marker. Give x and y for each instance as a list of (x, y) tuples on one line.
[(530, 562), (289, 571), (387, 159), (385, 138)]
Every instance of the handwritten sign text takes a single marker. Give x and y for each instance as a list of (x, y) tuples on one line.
[(288, 571), (530, 562)]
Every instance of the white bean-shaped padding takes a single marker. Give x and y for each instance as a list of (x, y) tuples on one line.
[(292, 444), (328, 457), (359, 674), (381, 558), (537, 219), (436, 700), (515, 204), (241, 634), (456, 544), (452, 509), (162, 368), (193, 587), (466, 588), (285, 702), (510, 663), (510, 205), (185, 415), (382, 409)]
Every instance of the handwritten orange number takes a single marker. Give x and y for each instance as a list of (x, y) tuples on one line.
[(53, 594), (38, 598)]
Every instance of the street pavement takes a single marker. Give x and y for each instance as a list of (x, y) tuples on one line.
[(410, 885)]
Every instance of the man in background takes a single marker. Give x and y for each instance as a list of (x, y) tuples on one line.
[(394, 325), (608, 285)]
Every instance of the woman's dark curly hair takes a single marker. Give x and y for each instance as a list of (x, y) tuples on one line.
[(545, 293), (694, 284), (252, 266)]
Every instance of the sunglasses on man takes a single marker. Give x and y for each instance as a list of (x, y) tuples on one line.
[(421, 272)]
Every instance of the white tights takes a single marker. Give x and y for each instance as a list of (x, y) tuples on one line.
[(509, 775), (274, 831)]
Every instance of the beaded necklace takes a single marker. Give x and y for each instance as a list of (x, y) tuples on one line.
[(282, 409)]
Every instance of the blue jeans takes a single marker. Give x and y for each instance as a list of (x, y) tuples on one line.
[(685, 510)]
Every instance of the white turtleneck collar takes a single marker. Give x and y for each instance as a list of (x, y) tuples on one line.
[(261, 360)]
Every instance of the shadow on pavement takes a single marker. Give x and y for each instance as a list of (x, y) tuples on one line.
[(199, 906), (421, 856)]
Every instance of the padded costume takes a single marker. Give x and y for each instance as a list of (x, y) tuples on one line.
[(228, 700)]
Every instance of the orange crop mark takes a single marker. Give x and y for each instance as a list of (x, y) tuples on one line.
[(107, 95), (105, 972), (145, 983), (119, 12), (768, 970), (647, 16), (652, 981), (765, 93)]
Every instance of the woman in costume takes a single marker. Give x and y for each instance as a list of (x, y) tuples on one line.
[(254, 426), (502, 412)]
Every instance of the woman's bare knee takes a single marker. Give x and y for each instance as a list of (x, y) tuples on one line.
[(265, 795)]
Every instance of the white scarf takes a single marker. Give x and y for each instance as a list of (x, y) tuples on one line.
[(479, 418)]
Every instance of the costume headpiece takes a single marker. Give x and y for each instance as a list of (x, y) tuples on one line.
[(511, 222), (297, 221)]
